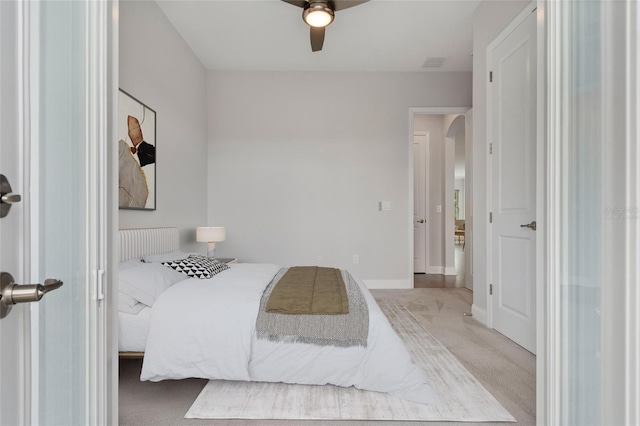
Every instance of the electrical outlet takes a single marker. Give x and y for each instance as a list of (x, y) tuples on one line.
[(356, 259), (319, 260)]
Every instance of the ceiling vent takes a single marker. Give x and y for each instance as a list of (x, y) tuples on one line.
[(434, 62)]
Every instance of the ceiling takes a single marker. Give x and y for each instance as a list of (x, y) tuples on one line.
[(380, 35)]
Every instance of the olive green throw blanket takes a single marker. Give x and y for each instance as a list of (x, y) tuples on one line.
[(324, 329), (309, 290)]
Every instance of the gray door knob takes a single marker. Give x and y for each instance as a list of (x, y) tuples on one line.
[(12, 293), (533, 225), (7, 197), (11, 198)]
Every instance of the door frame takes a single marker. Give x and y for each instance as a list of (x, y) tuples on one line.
[(620, 180), (538, 7), (102, 104), (412, 112), (17, 344)]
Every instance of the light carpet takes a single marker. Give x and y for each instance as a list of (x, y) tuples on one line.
[(463, 397)]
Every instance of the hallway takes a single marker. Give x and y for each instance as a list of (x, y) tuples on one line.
[(444, 281)]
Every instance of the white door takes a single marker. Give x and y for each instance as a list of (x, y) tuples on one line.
[(513, 171), (420, 156), (50, 356)]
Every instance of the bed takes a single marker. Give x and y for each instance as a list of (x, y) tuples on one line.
[(211, 329)]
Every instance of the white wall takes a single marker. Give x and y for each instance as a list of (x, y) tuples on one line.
[(298, 162), (454, 131), (490, 19), (159, 69)]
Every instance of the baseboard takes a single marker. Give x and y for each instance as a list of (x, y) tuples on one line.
[(388, 284), (441, 270), (450, 271), (479, 314), (435, 270)]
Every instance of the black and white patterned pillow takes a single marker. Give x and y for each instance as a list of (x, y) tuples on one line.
[(197, 266)]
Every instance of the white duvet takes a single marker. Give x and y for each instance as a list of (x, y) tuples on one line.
[(206, 329)]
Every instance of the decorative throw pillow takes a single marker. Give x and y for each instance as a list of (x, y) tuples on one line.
[(197, 266)]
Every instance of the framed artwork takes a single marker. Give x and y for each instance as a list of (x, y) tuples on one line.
[(136, 154)]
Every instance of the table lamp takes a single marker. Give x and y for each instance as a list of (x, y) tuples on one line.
[(210, 235)]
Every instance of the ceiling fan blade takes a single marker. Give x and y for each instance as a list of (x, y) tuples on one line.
[(317, 38), (346, 4), (299, 3)]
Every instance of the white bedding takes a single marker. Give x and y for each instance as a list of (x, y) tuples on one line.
[(133, 330), (206, 329)]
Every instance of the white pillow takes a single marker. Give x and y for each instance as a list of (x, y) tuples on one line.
[(146, 282), (128, 304), (129, 264), (165, 257)]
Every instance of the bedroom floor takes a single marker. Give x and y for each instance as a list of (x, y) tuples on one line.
[(504, 368)]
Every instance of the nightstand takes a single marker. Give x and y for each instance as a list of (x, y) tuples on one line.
[(227, 260)]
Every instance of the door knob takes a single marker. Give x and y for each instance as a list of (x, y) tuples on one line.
[(421, 221), (12, 293), (7, 197), (531, 225), (11, 198)]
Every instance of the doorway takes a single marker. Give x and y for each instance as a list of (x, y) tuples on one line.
[(433, 196)]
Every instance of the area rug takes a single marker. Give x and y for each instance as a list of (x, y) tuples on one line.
[(463, 397)]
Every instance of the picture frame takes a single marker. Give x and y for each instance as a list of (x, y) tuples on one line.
[(136, 154)]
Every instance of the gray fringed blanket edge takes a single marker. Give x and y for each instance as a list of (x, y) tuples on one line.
[(346, 330)]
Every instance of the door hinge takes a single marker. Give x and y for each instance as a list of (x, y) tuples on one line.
[(491, 148), (100, 284), (490, 217), (490, 76), (490, 289)]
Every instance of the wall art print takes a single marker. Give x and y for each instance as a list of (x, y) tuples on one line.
[(136, 154)]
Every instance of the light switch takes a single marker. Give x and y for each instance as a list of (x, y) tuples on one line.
[(385, 205), (438, 209)]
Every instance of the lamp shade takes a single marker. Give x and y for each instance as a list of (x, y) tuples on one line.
[(210, 233)]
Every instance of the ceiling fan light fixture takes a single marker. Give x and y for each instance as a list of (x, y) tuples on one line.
[(318, 14)]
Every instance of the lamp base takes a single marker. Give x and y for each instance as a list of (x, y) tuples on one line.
[(211, 250)]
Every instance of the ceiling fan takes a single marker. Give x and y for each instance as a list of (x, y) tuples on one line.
[(318, 14)]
